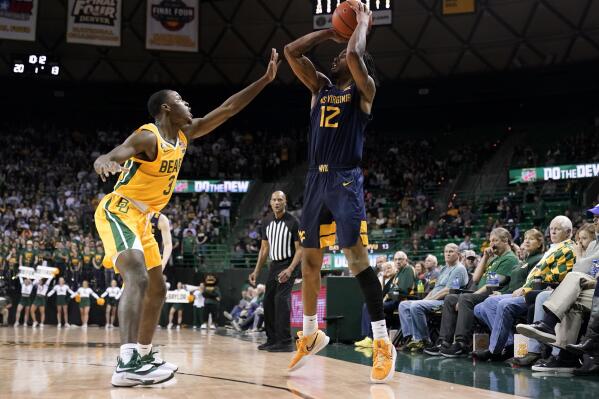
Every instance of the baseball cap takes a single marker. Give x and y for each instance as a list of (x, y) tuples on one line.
[(595, 210), (469, 254)]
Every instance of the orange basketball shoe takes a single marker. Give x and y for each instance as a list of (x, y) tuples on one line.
[(307, 346), (383, 361)]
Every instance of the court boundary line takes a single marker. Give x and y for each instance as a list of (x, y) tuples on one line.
[(291, 391)]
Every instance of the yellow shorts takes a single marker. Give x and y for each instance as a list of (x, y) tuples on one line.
[(121, 227)]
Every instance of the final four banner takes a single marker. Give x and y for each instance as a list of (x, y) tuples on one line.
[(95, 22), (18, 19), (172, 25)]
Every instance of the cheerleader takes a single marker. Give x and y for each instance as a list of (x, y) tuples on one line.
[(24, 302), (198, 306), (40, 301), (177, 307), (62, 303), (114, 293), (84, 293)]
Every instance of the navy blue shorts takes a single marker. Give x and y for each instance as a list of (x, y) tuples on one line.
[(333, 208)]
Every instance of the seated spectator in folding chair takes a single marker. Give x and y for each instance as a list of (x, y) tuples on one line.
[(589, 344), (564, 309), (457, 319), (552, 269), (431, 273), (246, 297), (389, 273), (412, 314)]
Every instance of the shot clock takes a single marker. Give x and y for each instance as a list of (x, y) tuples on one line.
[(35, 65)]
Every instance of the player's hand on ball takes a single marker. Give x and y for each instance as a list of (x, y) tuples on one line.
[(273, 66), (105, 167), (363, 14)]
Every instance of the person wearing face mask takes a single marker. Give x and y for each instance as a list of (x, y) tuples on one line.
[(556, 263)]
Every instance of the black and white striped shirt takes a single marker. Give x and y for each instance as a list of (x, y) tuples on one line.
[(281, 235)]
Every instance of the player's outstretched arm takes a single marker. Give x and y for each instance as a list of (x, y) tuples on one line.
[(356, 47), (137, 143), (300, 64), (202, 126)]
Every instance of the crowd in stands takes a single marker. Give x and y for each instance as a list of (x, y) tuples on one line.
[(544, 287), (401, 176), (48, 197)]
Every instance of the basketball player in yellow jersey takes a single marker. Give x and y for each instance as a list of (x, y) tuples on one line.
[(149, 161)]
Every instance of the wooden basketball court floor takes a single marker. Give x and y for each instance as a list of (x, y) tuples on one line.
[(75, 363)]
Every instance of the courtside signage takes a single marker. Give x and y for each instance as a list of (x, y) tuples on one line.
[(212, 186), (561, 172)]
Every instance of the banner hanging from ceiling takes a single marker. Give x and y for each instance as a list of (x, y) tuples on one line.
[(18, 19), (96, 22), (172, 25)]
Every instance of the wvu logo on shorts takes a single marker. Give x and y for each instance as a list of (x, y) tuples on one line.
[(302, 235), (123, 205)]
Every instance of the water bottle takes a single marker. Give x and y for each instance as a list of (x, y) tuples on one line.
[(420, 287), (595, 268), (456, 283), (493, 280)]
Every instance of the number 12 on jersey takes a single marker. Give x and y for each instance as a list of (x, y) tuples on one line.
[(327, 113)]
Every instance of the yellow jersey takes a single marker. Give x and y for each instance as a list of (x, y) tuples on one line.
[(151, 183)]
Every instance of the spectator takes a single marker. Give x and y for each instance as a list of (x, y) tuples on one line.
[(552, 268), (577, 288), (431, 273), (177, 307), (467, 244), (458, 309), (470, 261), (412, 314), (224, 211)]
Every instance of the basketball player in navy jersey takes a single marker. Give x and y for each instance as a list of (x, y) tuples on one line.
[(333, 199)]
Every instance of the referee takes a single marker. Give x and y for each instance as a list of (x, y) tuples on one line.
[(280, 243)]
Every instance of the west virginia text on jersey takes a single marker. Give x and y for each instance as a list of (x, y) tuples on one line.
[(337, 125)]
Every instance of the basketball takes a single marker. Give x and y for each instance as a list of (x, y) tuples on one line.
[(77, 298), (190, 298), (344, 20), (100, 301)]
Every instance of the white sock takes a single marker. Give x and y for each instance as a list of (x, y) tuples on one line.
[(127, 352), (144, 349), (310, 325), (379, 330)]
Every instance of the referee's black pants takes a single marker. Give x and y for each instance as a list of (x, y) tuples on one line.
[(277, 304)]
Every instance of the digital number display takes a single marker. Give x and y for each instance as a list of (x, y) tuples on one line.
[(35, 65), (328, 6), (322, 12)]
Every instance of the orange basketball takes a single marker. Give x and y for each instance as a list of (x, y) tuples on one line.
[(77, 298), (344, 19), (100, 301), (190, 298)]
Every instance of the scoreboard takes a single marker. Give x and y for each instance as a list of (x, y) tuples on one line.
[(35, 65), (322, 12)]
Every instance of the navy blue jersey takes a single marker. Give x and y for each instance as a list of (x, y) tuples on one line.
[(337, 127)]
